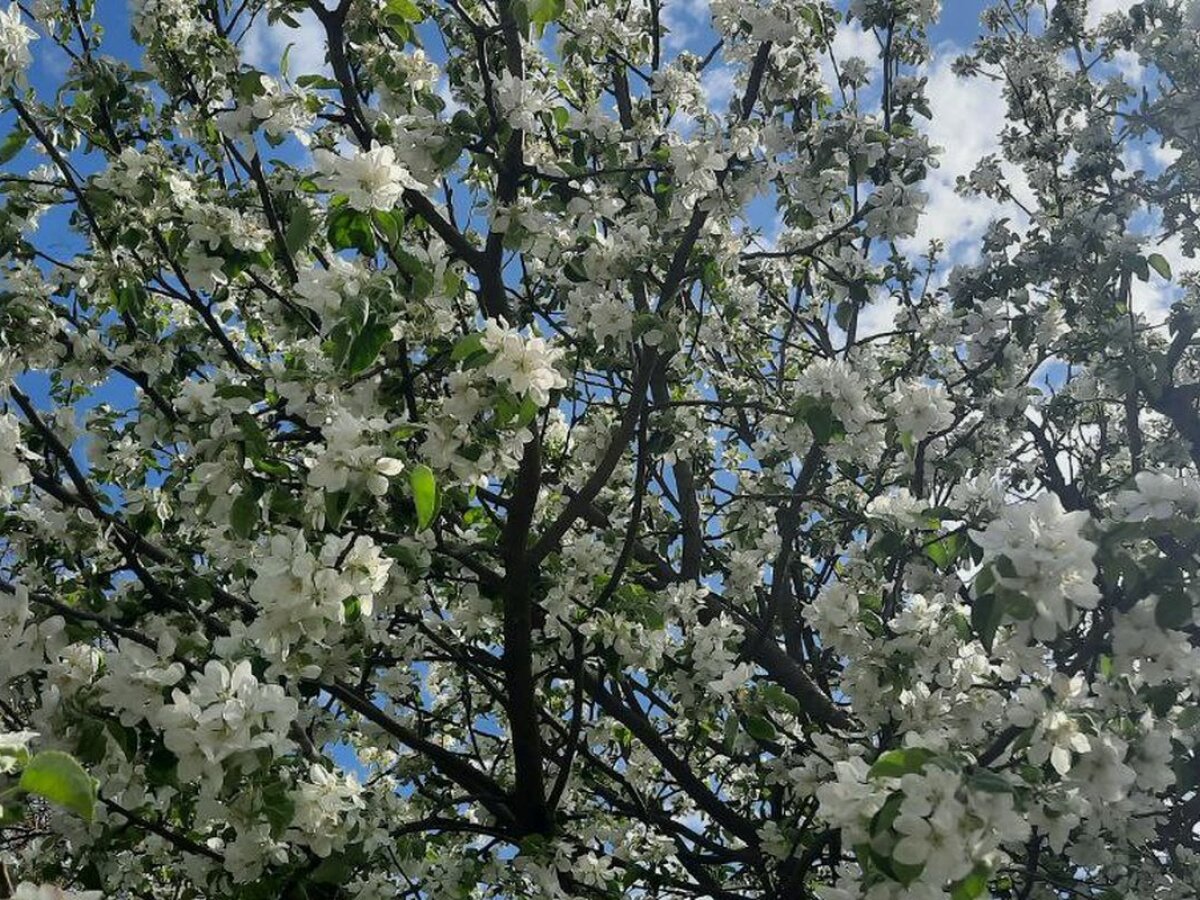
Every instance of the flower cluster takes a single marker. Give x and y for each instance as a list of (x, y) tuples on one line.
[(368, 179), (326, 809), (302, 594), (14, 470), (525, 365), (1038, 550), (225, 712), (15, 37), (347, 460)]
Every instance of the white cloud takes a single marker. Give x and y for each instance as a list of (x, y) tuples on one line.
[(878, 316), (967, 117), (686, 21), (718, 83), (264, 45), (849, 40), (852, 40), (1098, 9)]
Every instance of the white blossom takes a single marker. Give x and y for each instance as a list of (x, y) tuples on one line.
[(1052, 562), (369, 179), (525, 365), (15, 37)]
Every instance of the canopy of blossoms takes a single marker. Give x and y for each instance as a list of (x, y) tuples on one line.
[(473, 463)]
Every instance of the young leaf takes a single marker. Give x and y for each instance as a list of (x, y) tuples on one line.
[(425, 494), (760, 728), (895, 763), (57, 777), (543, 12), (986, 613), (365, 345), (945, 552), (971, 887), (13, 144), (243, 514), (1159, 264), (348, 228)]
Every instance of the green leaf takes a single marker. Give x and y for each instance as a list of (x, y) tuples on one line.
[(986, 614), (945, 552), (317, 81), (12, 813), (730, 733), (777, 697), (161, 766), (300, 229), (760, 728), (882, 821), (390, 225), (971, 887), (363, 346), (543, 12), (13, 144), (820, 421), (253, 436), (1159, 264), (843, 314), (425, 494), (273, 468), (332, 870), (249, 85), (467, 348), (93, 742), (895, 763), (897, 871), (243, 514), (350, 229), (906, 874), (244, 391), (527, 412), (367, 345), (57, 777), (406, 9), (989, 782), (448, 153), (278, 807), (1161, 698), (338, 505)]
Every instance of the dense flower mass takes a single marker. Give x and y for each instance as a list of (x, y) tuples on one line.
[(639, 449), (15, 37), (224, 713)]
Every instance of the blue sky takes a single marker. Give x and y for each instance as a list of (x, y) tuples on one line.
[(959, 23)]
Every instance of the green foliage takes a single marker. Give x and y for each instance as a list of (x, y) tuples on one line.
[(60, 779)]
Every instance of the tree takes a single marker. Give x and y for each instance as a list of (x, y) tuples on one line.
[(434, 475)]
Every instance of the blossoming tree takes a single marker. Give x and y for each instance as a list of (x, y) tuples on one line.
[(469, 469)]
